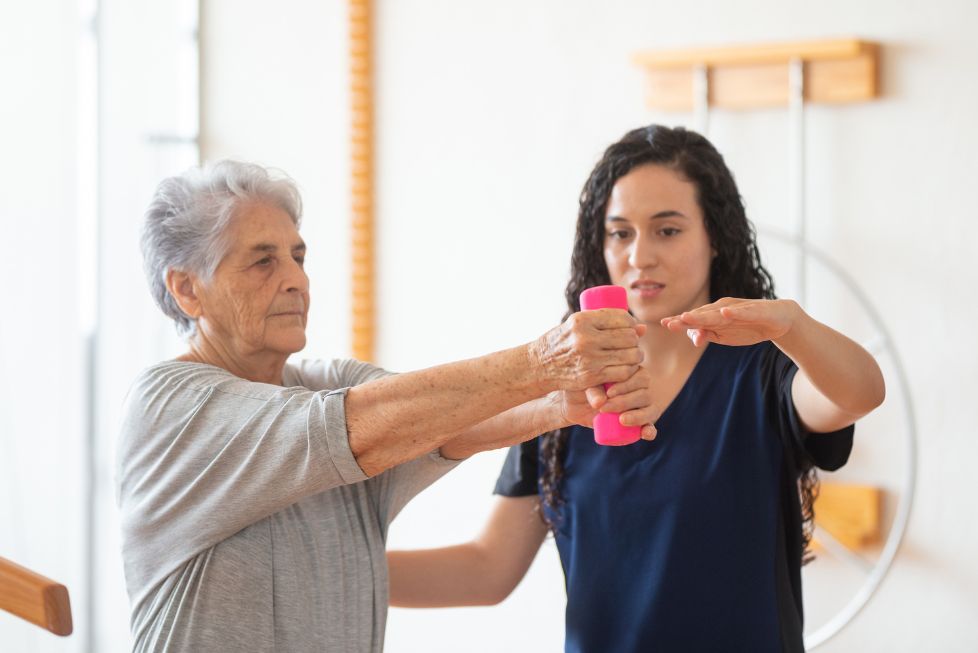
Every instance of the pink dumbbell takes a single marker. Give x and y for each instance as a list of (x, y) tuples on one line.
[(608, 430)]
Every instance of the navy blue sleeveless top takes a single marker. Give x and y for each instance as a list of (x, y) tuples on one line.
[(691, 542)]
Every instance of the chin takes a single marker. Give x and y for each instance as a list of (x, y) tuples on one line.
[(289, 344)]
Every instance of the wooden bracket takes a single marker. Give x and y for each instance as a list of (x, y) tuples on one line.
[(850, 513), (756, 76)]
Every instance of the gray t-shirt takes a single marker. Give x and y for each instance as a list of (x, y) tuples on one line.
[(247, 524)]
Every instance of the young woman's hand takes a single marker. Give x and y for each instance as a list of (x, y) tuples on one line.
[(631, 398), (731, 321)]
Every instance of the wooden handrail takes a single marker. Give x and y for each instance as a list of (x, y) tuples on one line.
[(34, 597)]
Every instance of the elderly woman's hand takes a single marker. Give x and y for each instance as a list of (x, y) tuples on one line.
[(590, 348)]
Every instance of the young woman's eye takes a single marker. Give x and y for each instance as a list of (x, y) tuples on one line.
[(669, 231), (619, 234)]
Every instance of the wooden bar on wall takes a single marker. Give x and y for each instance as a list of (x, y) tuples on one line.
[(362, 178), (34, 597), (756, 76)]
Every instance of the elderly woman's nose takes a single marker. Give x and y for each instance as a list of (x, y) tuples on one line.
[(294, 276), (297, 279)]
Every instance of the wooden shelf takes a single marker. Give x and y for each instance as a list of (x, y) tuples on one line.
[(756, 76)]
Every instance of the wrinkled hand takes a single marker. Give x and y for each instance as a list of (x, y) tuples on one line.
[(631, 398), (731, 321), (588, 349)]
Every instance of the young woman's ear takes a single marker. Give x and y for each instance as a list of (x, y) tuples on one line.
[(181, 287)]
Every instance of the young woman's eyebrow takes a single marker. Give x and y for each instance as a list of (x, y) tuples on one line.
[(658, 216)]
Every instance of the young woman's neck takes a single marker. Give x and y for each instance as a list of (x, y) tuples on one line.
[(667, 352)]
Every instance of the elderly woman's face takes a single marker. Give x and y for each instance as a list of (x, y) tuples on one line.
[(258, 299)]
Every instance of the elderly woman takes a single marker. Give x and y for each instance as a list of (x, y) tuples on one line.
[(256, 494)]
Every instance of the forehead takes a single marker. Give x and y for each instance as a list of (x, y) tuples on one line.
[(650, 189), (258, 222)]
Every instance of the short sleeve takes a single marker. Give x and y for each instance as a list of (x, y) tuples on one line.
[(828, 451), (203, 454), (518, 477)]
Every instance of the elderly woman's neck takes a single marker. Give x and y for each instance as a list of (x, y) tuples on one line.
[(262, 367)]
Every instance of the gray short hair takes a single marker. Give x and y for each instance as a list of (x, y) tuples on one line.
[(185, 223)]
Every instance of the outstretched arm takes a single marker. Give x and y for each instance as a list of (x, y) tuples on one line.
[(633, 401), (398, 418), (837, 382), (481, 572)]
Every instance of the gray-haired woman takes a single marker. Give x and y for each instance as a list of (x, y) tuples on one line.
[(256, 494)]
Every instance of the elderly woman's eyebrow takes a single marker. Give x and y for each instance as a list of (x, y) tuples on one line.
[(269, 248)]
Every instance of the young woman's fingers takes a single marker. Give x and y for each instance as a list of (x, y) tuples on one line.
[(700, 337), (748, 311), (712, 317), (640, 416), (639, 380), (625, 402), (596, 397)]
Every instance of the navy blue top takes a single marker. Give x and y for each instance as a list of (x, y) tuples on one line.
[(691, 542)]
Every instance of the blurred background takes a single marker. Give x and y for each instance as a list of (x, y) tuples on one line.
[(488, 118)]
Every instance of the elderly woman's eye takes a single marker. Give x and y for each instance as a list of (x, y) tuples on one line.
[(300, 260), (264, 261)]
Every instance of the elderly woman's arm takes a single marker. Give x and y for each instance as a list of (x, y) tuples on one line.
[(633, 401), (398, 418)]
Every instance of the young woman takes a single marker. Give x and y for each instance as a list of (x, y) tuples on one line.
[(693, 541)]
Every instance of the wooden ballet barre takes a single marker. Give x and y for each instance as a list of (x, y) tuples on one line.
[(35, 598)]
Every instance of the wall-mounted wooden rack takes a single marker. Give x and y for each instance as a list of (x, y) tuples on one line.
[(757, 76)]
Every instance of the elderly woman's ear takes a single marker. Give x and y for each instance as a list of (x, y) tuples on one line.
[(181, 286)]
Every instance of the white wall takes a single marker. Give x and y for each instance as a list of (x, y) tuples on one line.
[(273, 92), (42, 343), (489, 117)]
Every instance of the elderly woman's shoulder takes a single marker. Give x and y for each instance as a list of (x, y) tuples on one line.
[(330, 374), (171, 379), (183, 373), (310, 374)]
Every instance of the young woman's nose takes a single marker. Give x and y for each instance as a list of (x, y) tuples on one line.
[(642, 253)]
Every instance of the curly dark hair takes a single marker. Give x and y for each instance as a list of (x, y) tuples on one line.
[(735, 271)]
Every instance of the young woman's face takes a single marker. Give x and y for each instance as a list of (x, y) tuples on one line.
[(656, 244)]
